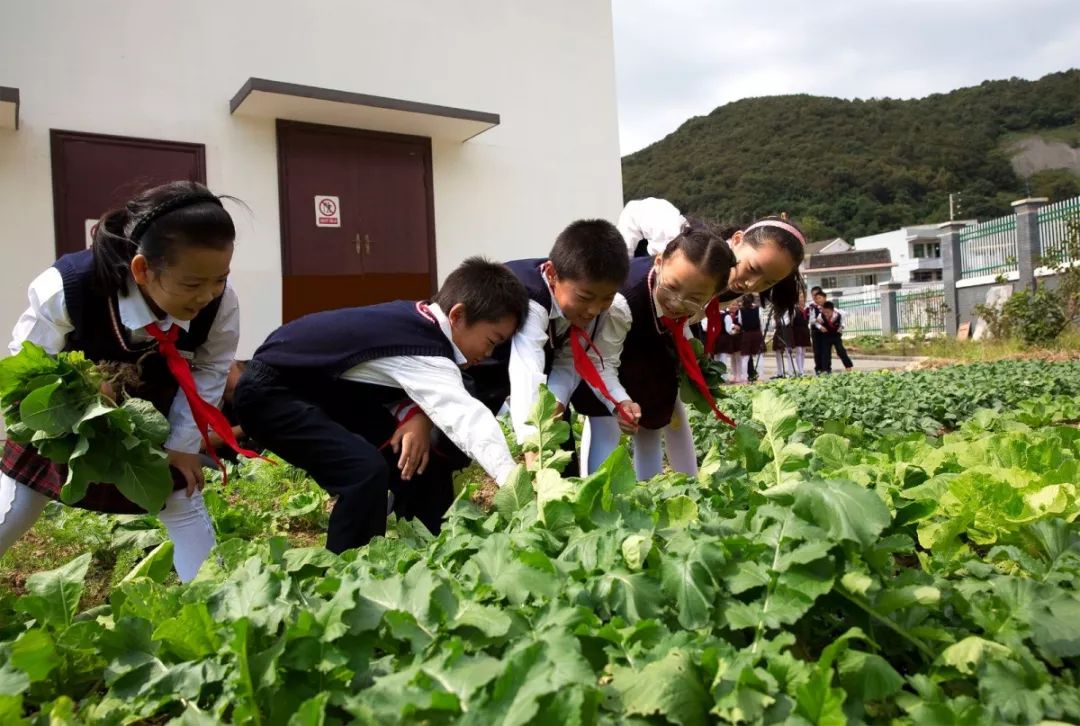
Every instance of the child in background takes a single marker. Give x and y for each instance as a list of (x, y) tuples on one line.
[(733, 328), (800, 333), (831, 327), (752, 340), (813, 313)]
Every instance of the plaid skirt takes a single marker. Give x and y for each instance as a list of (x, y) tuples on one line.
[(25, 465)]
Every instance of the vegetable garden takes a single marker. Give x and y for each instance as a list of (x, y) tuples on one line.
[(872, 548)]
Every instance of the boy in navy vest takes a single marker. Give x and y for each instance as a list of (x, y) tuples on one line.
[(324, 392), (570, 293)]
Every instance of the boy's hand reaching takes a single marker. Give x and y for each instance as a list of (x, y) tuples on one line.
[(412, 440)]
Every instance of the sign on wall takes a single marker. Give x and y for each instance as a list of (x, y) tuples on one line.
[(327, 211)]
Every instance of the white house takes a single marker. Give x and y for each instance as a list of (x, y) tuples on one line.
[(916, 250), (375, 144)]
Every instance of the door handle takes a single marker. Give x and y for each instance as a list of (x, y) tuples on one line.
[(367, 244), (356, 243)]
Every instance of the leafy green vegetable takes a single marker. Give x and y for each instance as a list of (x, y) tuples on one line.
[(55, 403)]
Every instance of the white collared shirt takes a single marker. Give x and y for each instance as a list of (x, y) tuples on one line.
[(47, 323), (527, 360), (434, 383), (652, 219)]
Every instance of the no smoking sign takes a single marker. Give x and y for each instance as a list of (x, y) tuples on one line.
[(327, 211)]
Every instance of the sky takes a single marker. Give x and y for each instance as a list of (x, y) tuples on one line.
[(676, 59)]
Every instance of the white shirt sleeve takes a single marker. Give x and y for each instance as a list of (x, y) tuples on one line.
[(46, 321), (527, 368), (609, 344), (210, 369), (652, 219), (434, 383), (563, 379), (730, 321)]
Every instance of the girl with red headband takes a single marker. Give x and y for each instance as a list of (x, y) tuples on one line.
[(766, 255)]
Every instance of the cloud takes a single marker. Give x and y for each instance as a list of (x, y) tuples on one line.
[(683, 58)]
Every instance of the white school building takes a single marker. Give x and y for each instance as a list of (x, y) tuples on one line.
[(374, 144)]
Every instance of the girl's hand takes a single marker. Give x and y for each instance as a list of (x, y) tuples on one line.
[(190, 465), (412, 440), (634, 410)]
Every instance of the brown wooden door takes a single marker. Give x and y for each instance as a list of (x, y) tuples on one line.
[(93, 173), (384, 247)]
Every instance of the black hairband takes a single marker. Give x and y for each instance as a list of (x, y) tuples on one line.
[(165, 207)]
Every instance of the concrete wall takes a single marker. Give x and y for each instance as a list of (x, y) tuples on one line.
[(167, 70)]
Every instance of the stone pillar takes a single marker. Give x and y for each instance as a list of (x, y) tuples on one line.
[(1028, 246), (890, 317), (950, 273)]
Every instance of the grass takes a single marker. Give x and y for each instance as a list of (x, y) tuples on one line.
[(260, 501), (964, 351)]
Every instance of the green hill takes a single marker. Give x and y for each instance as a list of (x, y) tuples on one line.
[(859, 167)]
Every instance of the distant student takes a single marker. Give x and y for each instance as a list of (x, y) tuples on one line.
[(752, 339), (831, 328), (567, 336), (330, 393), (800, 333), (151, 289), (782, 346), (733, 330), (813, 312), (662, 295)]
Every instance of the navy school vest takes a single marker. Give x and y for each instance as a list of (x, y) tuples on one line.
[(101, 337), (751, 319), (328, 343)]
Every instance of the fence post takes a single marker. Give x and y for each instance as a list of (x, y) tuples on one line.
[(1028, 247), (951, 273), (890, 311)]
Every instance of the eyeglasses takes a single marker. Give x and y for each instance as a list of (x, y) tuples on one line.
[(674, 299)]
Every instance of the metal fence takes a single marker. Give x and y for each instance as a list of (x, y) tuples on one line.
[(1056, 223), (921, 310), (988, 248), (862, 313)]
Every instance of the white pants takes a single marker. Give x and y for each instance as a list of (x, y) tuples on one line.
[(601, 436), (185, 518)]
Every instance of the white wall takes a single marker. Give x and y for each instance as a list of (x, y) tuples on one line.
[(168, 69)]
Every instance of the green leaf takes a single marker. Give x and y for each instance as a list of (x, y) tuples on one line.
[(687, 577), (515, 494), (971, 652), (192, 634), (53, 409), (147, 420), (635, 550), (680, 511), (830, 451), (670, 687), (157, 565), (868, 677), (55, 594), (312, 712), (845, 510), (11, 708), (144, 478), (34, 653)]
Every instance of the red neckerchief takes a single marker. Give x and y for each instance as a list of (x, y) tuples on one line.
[(206, 416), (687, 357)]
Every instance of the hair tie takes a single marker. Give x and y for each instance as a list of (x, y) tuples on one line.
[(781, 225), (169, 205)]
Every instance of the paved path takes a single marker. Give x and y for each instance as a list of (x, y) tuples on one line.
[(868, 363)]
